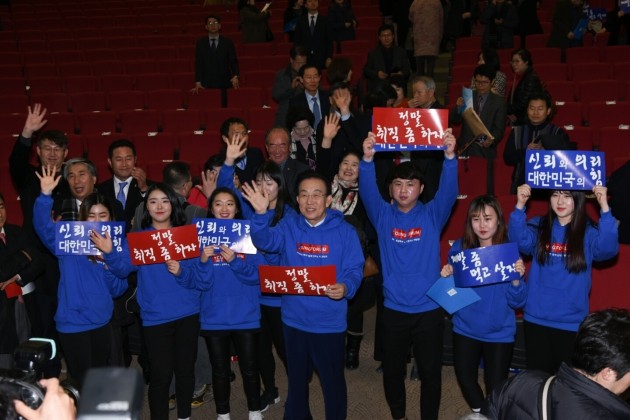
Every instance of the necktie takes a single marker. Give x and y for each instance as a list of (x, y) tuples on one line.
[(121, 193), (312, 25), (213, 44), (316, 111), (479, 104), (3, 237)]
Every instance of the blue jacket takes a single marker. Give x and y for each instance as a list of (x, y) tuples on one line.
[(491, 318), (314, 314), (232, 302), (555, 297), (162, 296), (86, 288), (409, 242)]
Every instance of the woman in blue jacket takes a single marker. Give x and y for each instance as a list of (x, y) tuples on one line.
[(563, 245), (487, 327), (169, 296), (87, 285), (230, 312)]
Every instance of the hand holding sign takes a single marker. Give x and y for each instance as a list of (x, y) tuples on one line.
[(449, 141), (368, 147), (174, 267), (519, 266), (336, 291), (446, 271), (102, 242), (602, 197), (523, 192)]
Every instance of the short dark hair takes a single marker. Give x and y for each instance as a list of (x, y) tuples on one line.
[(310, 174), (92, 200), (56, 136), (298, 113), (121, 143), (1, 197), (176, 173), (217, 159), (272, 170), (491, 58), (400, 81), (225, 126), (486, 71), (178, 217), (540, 95), (386, 27), (406, 170), (338, 70), (298, 50), (212, 16), (308, 66), (603, 341), (525, 55), (225, 190), (340, 85)]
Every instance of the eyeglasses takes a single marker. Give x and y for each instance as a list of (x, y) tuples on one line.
[(280, 146), (213, 23), (316, 196)]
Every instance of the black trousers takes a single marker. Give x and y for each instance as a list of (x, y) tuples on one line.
[(467, 353), (271, 335), (220, 350), (85, 350), (425, 332), (362, 301), (547, 347), (172, 348)]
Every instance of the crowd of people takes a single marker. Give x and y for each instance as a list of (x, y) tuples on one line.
[(320, 185)]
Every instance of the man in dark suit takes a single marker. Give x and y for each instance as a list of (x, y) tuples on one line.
[(20, 265), (314, 31), (129, 183), (216, 64), (491, 109), (277, 145), (246, 166), (288, 82), (313, 98), (386, 59)]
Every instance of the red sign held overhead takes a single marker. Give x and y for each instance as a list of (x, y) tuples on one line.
[(156, 246), (409, 129), (312, 280)]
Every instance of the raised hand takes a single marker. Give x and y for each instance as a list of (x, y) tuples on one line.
[(256, 197), (236, 148), (208, 182), (102, 242), (141, 178), (523, 192), (368, 147), (450, 142), (601, 194), (331, 128), (34, 120), (47, 181), (519, 266)]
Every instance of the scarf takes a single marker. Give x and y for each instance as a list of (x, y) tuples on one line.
[(345, 195)]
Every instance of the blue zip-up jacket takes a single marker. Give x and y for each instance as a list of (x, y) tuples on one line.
[(314, 314), (232, 303), (86, 288), (162, 296), (555, 297), (409, 242), (492, 318)]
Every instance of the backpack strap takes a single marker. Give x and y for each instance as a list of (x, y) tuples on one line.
[(544, 402)]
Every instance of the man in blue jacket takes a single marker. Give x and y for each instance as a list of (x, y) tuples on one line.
[(314, 326), (409, 241)]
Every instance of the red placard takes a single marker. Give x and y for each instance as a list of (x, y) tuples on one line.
[(312, 280), (156, 246), (409, 128)]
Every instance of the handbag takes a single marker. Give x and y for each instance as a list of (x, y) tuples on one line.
[(370, 268)]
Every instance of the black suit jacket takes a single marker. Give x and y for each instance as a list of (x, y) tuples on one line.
[(290, 171), (254, 160), (134, 197), (320, 44), (301, 101), (214, 69), (376, 62), (17, 241)]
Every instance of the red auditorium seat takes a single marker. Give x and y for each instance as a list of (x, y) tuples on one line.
[(617, 54), (462, 74), (213, 118), (116, 82), (589, 71), (153, 81), (583, 136), (569, 113), (41, 70), (11, 70), (164, 99), (454, 228), (174, 65), (78, 84), (551, 72), (68, 56), (356, 47), (144, 121), (472, 176), (609, 282), (108, 67), (600, 90), (53, 102), (13, 104), (100, 54), (184, 81), (537, 40), (255, 50), (75, 146), (154, 148), (64, 121), (196, 149), (67, 70), (177, 121), (261, 118), (261, 79), (61, 44), (545, 55), (34, 45), (584, 55), (96, 122), (614, 143), (141, 66), (126, 100), (88, 101), (621, 71), (96, 146), (133, 53), (204, 99), (601, 114), (561, 91), (12, 123)]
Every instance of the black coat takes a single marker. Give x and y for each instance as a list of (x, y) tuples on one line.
[(320, 44), (573, 396), (214, 69), (518, 99), (134, 197)]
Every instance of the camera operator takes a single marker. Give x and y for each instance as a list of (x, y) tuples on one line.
[(57, 404)]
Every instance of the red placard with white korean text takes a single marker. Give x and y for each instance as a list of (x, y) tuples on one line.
[(311, 280), (409, 129), (157, 246)]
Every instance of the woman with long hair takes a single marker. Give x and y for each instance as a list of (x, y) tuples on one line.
[(87, 285), (169, 297), (230, 312), (563, 245), (487, 328), (526, 82)]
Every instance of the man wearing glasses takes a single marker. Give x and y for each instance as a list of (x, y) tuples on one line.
[(216, 64)]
